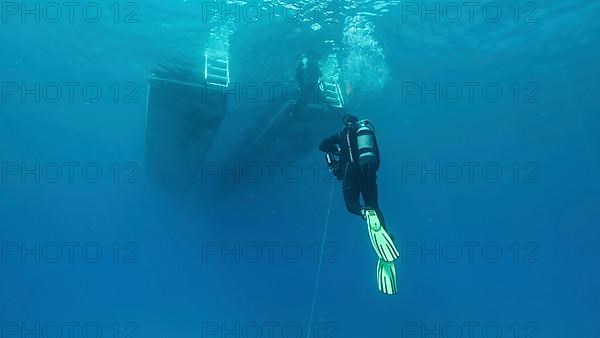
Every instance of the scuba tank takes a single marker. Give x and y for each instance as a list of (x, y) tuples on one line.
[(368, 153)]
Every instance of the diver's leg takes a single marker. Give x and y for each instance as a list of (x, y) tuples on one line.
[(351, 190), (370, 195), (382, 240)]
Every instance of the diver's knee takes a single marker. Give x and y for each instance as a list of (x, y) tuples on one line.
[(350, 208), (353, 208)]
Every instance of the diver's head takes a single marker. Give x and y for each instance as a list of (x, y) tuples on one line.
[(350, 120)]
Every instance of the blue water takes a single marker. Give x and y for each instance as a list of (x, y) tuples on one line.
[(161, 273)]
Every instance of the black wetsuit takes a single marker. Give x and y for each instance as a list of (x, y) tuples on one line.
[(355, 182)]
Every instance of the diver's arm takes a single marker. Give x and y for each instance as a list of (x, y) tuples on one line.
[(330, 144)]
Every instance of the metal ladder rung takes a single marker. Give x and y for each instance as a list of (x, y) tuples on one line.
[(219, 82), (221, 64), (218, 63), (216, 78), (216, 84), (221, 61), (217, 71), (216, 66)]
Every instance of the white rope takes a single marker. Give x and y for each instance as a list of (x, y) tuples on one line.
[(314, 301)]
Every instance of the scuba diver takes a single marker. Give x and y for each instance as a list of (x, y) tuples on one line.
[(308, 71), (308, 74), (353, 156)]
